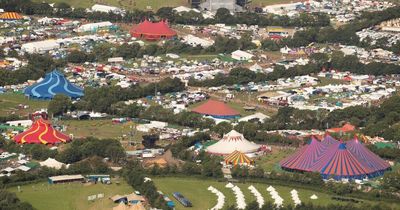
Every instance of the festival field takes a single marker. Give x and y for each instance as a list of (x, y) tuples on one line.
[(72, 196), (10, 102), (270, 162), (101, 129), (196, 191)]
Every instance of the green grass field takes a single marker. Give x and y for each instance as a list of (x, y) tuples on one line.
[(9, 103), (270, 161), (99, 128), (196, 191), (72, 196)]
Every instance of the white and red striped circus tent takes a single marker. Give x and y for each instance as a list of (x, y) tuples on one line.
[(233, 141)]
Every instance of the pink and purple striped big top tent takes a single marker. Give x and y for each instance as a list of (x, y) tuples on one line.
[(335, 159)]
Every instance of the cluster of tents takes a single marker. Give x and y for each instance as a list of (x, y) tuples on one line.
[(336, 159)]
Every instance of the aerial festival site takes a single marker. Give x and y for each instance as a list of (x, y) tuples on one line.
[(209, 104)]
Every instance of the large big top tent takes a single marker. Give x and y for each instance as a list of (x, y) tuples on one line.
[(329, 140), (232, 141), (153, 31), (53, 83), (350, 160), (41, 132), (338, 162), (11, 16), (216, 109), (361, 152), (301, 160), (331, 158)]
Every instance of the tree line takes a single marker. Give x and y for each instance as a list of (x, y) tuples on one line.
[(101, 51), (63, 9), (223, 15), (37, 66)]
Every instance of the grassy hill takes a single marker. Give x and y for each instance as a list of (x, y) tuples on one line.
[(149, 4), (125, 4)]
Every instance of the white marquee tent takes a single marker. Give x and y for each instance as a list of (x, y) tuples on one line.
[(51, 163), (232, 141)]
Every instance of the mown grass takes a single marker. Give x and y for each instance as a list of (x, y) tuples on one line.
[(70, 196)]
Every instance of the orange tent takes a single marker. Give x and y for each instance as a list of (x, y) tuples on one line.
[(344, 129), (10, 16)]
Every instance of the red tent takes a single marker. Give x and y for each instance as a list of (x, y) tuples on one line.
[(152, 31), (216, 109), (344, 129), (41, 132)]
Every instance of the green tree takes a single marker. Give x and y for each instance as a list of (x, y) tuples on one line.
[(59, 105)]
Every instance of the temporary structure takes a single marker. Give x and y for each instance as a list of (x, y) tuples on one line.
[(329, 140), (305, 157), (341, 163), (11, 16), (53, 83), (231, 142), (41, 132), (216, 109), (372, 160), (238, 158), (153, 31), (52, 163), (337, 160), (345, 128)]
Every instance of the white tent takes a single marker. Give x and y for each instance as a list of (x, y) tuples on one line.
[(40, 46), (51, 163), (231, 142), (93, 26), (241, 55), (106, 9)]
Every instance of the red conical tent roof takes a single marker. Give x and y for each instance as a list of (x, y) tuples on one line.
[(41, 132), (152, 31), (215, 109)]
